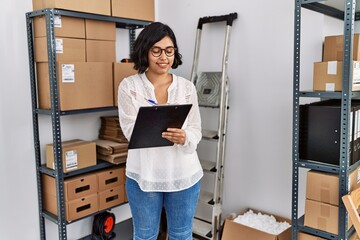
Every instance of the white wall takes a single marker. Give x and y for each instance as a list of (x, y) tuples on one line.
[(258, 157)]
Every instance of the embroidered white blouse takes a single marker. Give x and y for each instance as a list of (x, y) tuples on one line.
[(164, 169)]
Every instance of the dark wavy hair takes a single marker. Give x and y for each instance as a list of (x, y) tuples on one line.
[(150, 35)]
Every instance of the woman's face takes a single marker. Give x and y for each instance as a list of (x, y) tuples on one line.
[(161, 56)]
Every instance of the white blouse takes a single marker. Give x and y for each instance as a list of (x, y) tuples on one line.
[(164, 169)]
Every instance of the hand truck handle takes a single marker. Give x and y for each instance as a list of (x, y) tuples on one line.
[(228, 18)]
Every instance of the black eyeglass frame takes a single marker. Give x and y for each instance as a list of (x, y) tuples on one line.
[(161, 51)]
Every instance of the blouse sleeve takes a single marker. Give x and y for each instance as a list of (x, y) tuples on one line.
[(126, 108), (193, 127)]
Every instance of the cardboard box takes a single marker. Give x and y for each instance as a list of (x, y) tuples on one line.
[(334, 45), (324, 187), (64, 26), (111, 178), (76, 154), (233, 230), (328, 76), (322, 216), (75, 187), (354, 236), (100, 51), (88, 6), (67, 49), (134, 9), (121, 71), (305, 236), (100, 30), (81, 85), (111, 197)]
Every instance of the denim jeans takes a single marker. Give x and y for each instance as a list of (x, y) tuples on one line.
[(146, 211)]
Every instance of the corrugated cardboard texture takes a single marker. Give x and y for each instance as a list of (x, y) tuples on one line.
[(82, 207), (111, 197), (121, 71), (134, 9), (111, 178), (100, 30), (334, 45), (305, 236), (92, 88), (100, 51), (73, 50), (71, 27), (89, 6)]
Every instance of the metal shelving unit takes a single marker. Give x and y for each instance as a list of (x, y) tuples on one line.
[(330, 8), (55, 112)]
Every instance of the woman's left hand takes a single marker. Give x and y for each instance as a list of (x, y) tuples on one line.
[(175, 135)]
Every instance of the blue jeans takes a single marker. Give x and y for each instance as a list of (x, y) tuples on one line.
[(146, 211)]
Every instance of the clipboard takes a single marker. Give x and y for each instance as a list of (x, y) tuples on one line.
[(151, 121)]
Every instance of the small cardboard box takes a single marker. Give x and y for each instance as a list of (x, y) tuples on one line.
[(134, 9), (334, 45), (233, 230), (305, 236), (328, 76), (322, 216), (75, 187), (88, 6), (100, 30), (64, 26), (100, 51), (111, 178), (121, 71), (324, 187), (111, 197), (67, 49), (76, 154), (81, 85)]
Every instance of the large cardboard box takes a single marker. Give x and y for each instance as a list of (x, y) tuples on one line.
[(89, 6), (322, 216), (76, 154), (334, 45), (100, 30), (324, 187), (111, 197), (111, 178), (75, 187), (100, 51), (134, 9), (81, 85), (64, 26), (121, 71), (67, 49), (328, 76), (305, 236), (236, 231)]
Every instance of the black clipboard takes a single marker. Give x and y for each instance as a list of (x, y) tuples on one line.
[(151, 121)]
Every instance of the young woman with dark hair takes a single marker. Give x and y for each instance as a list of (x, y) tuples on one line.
[(160, 177)]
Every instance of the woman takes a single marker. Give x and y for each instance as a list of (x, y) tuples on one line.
[(160, 177)]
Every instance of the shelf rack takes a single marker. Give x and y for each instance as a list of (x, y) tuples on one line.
[(348, 16), (55, 112)]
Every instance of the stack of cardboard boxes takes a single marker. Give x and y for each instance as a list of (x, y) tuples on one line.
[(86, 194), (328, 73), (322, 199)]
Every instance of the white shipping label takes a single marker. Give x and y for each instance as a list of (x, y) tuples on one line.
[(59, 45), (330, 87), (68, 73), (356, 73), (71, 161), (57, 21), (331, 68)]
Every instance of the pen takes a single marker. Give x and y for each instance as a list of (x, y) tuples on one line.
[(151, 101)]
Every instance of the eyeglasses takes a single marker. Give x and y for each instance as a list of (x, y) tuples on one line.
[(157, 51)]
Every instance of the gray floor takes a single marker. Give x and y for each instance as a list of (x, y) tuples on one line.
[(123, 231)]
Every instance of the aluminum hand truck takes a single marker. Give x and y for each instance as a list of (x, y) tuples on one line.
[(213, 89)]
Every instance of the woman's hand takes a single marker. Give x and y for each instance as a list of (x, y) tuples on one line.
[(175, 135)]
